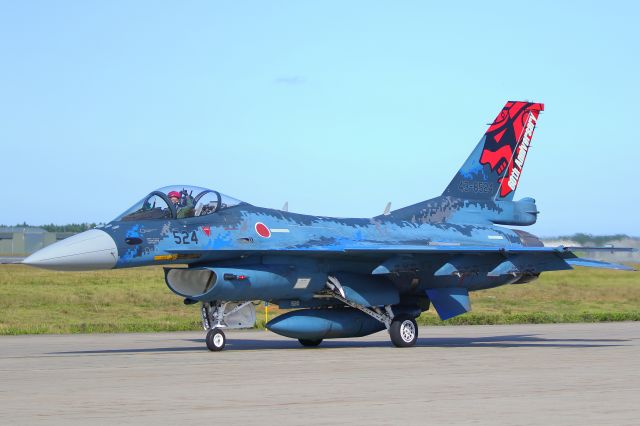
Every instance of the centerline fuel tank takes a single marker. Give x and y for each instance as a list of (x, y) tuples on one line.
[(326, 323)]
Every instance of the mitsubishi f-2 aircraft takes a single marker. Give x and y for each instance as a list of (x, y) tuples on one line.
[(336, 277)]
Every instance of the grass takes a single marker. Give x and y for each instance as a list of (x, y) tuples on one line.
[(34, 301)]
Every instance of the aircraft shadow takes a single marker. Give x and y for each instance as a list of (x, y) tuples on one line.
[(239, 344)]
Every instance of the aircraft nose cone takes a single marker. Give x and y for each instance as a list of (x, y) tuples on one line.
[(89, 250)]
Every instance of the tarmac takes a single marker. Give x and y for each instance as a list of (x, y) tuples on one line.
[(558, 374)]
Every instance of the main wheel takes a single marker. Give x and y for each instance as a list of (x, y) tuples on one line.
[(403, 331), (309, 342), (215, 340)]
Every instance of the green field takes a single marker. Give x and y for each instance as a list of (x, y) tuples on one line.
[(133, 300)]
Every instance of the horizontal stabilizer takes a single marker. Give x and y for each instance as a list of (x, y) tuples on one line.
[(603, 249), (450, 301), (589, 263)]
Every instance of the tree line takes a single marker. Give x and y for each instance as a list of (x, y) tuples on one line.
[(593, 240), (71, 227)]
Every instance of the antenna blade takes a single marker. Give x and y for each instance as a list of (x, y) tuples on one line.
[(387, 209)]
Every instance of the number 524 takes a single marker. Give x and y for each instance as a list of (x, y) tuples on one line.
[(185, 237)]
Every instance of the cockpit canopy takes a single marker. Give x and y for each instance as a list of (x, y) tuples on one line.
[(178, 202)]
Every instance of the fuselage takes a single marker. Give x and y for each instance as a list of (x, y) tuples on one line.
[(228, 233), (246, 234), (207, 229)]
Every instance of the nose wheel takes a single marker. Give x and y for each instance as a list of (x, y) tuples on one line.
[(215, 340)]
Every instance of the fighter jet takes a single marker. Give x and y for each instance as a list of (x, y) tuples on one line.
[(336, 277)]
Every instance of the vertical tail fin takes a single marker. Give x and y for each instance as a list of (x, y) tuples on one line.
[(493, 169)]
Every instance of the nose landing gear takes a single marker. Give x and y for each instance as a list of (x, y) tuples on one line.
[(217, 315), (215, 340)]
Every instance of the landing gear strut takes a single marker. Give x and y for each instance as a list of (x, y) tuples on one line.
[(402, 328)]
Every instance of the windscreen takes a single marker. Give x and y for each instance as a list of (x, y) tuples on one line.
[(178, 202)]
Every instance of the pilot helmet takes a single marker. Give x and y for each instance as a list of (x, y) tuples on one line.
[(175, 194)]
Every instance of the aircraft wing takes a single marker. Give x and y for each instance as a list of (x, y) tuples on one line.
[(388, 251), (565, 253), (590, 263)]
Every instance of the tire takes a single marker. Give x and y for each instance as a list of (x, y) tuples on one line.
[(403, 331), (309, 343), (216, 340)]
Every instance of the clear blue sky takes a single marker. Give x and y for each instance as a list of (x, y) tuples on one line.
[(336, 107)]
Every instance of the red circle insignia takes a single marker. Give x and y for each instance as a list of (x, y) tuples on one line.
[(262, 230)]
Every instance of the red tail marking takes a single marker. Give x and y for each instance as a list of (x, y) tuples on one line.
[(499, 159), (499, 135), (504, 150)]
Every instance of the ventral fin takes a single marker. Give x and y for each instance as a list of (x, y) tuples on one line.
[(449, 302)]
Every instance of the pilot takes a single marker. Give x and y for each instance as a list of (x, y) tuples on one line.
[(174, 197), (183, 203)]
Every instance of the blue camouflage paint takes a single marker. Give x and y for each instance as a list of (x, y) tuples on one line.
[(433, 251)]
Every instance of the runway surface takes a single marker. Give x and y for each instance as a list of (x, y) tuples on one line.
[(515, 375)]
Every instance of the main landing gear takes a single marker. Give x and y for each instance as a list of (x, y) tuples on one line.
[(402, 328), (403, 331)]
